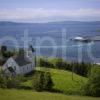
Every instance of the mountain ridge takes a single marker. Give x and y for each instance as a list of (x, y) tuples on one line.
[(11, 22)]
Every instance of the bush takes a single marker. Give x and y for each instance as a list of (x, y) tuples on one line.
[(93, 85), (12, 82), (44, 62), (8, 82), (82, 68), (38, 82), (42, 81), (48, 81), (2, 80)]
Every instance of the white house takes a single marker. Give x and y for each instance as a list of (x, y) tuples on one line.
[(20, 65)]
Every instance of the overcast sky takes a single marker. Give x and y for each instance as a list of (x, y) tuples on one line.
[(49, 10)]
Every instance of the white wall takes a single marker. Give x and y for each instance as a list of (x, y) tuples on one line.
[(11, 63), (19, 69), (27, 68)]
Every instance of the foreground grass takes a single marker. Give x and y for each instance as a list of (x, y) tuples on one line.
[(30, 95)]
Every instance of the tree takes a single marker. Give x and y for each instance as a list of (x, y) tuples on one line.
[(48, 82), (38, 81), (3, 51), (93, 85), (42, 81)]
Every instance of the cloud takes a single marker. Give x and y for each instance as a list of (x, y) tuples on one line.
[(40, 14)]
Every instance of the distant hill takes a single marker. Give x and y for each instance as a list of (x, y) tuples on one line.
[(58, 22)]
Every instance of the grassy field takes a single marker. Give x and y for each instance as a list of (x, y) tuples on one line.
[(62, 80), (30, 95)]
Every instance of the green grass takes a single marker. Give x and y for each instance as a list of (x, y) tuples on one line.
[(62, 80), (30, 95)]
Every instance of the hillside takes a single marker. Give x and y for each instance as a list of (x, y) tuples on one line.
[(62, 80), (30, 95)]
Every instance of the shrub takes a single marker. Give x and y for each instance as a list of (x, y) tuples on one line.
[(42, 81), (44, 62), (2, 80), (48, 81), (12, 82), (93, 85), (8, 82), (38, 82), (82, 68)]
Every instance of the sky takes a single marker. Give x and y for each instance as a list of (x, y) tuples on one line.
[(49, 10)]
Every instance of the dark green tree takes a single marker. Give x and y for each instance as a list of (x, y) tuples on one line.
[(42, 81), (93, 85)]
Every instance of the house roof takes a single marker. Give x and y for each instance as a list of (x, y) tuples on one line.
[(21, 60)]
